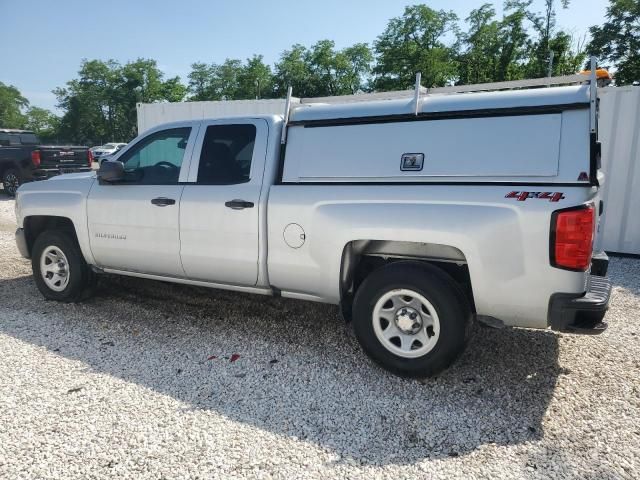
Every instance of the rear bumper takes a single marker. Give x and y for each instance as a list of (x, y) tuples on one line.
[(581, 313), (21, 242)]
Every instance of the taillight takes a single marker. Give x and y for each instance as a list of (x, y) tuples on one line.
[(35, 158), (90, 158), (572, 238)]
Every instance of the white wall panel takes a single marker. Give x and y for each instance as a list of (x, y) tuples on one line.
[(152, 114), (620, 136)]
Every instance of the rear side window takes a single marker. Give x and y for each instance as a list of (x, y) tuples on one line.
[(28, 139), (226, 154), (156, 160), (18, 139)]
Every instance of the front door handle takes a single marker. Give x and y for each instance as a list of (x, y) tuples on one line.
[(238, 204), (163, 201)]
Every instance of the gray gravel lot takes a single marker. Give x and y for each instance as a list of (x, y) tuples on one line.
[(138, 382)]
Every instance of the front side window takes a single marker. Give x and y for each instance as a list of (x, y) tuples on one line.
[(156, 160), (226, 154)]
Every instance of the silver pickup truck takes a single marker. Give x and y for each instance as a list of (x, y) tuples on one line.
[(417, 213)]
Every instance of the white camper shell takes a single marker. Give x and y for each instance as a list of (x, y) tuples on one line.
[(516, 136)]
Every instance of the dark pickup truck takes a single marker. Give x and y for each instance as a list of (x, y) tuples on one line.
[(23, 159)]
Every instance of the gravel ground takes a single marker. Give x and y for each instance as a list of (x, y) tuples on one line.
[(139, 382), (7, 213)]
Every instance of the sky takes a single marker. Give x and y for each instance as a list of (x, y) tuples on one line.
[(44, 41)]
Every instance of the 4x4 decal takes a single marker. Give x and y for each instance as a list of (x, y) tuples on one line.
[(522, 196)]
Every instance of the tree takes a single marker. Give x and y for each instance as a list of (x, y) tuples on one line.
[(173, 90), (359, 59), (553, 51), (232, 80), (43, 122), (618, 40), (417, 42), (322, 70), (293, 71), (199, 81), (334, 72), (514, 43), (255, 80), (100, 105), (11, 105), (480, 62)]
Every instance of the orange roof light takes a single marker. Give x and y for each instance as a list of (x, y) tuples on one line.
[(601, 74)]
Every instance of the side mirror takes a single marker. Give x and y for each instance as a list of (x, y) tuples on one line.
[(111, 172)]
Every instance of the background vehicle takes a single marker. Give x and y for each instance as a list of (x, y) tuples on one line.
[(99, 153), (416, 215), (23, 159)]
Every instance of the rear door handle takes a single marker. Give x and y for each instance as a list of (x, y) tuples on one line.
[(163, 201), (238, 204)]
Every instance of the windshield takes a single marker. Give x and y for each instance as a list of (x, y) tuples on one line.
[(109, 146)]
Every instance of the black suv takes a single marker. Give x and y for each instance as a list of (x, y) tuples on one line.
[(23, 159)]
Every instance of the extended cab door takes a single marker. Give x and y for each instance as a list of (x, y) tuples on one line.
[(219, 224), (134, 224)]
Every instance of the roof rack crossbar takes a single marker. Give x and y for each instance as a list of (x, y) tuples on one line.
[(479, 87)]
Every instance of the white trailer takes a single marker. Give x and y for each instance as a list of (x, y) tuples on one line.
[(153, 114), (620, 137)]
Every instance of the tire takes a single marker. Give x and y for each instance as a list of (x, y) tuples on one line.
[(78, 278), (11, 181), (432, 329)]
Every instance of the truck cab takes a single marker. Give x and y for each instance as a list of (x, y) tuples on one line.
[(23, 158)]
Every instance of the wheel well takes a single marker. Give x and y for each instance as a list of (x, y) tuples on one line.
[(361, 257), (6, 166), (36, 224)]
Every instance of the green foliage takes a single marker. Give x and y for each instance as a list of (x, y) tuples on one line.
[(293, 70), (255, 80), (100, 105), (618, 40), (322, 70), (422, 40), (43, 122), (11, 104), (232, 80), (552, 47)]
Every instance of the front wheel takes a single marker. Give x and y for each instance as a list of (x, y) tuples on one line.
[(59, 269), (11, 181), (411, 319)]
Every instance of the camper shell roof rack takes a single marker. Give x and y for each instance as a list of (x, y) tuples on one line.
[(422, 101)]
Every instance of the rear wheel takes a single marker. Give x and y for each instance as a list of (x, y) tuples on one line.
[(11, 180), (411, 318), (59, 269)]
